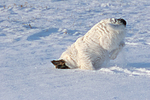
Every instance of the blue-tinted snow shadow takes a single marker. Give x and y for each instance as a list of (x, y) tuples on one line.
[(47, 32), (43, 33), (2, 34), (139, 65)]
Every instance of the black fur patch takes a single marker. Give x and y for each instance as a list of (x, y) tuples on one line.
[(122, 21), (60, 64)]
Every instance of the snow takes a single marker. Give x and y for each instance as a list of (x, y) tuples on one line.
[(32, 33)]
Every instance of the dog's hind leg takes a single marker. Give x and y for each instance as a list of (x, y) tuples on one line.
[(60, 64)]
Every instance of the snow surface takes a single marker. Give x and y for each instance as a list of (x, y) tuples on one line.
[(34, 32)]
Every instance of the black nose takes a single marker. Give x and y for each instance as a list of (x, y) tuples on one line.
[(122, 21)]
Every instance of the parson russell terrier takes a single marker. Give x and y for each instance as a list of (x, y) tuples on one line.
[(96, 48)]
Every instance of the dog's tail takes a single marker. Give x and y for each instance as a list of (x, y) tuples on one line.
[(60, 64)]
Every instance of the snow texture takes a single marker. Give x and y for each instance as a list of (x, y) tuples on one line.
[(32, 33)]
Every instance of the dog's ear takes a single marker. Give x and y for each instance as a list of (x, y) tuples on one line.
[(58, 62), (55, 62)]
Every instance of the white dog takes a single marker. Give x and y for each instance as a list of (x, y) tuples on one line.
[(95, 49)]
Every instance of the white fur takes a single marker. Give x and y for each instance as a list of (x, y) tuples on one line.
[(100, 44)]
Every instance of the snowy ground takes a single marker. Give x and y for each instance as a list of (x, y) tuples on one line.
[(34, 32)]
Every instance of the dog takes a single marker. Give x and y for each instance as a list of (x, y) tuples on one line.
[(96, 48)]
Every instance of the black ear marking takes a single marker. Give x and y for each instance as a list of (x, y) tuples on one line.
[(60, 64), (55, 62), (122, 21)]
